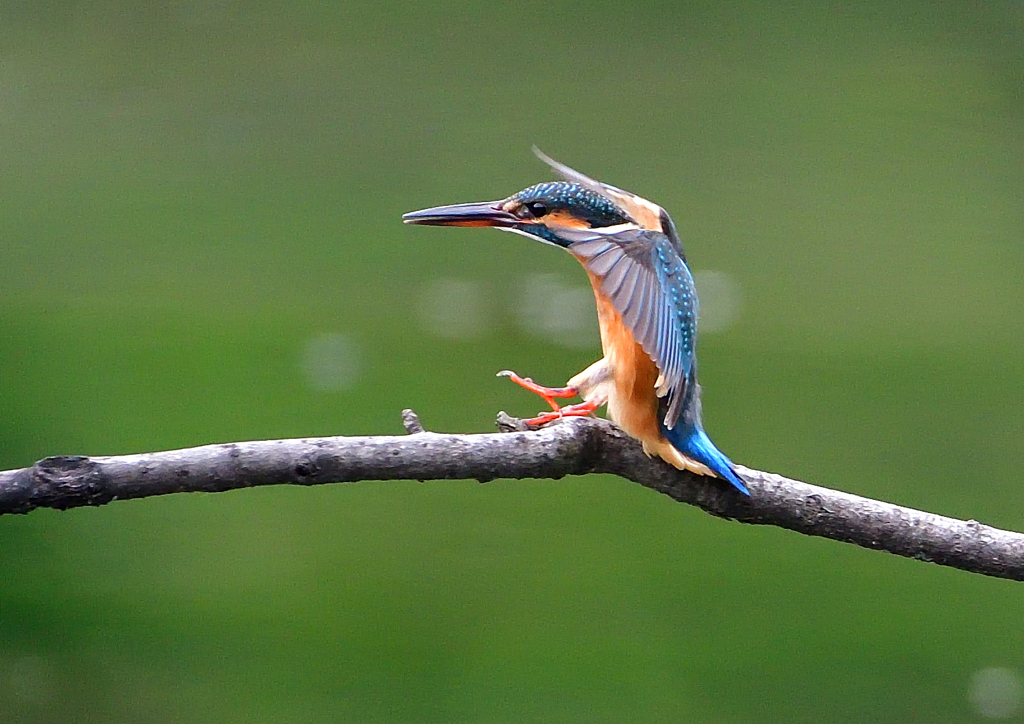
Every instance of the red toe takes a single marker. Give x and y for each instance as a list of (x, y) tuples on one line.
[(548, 393)]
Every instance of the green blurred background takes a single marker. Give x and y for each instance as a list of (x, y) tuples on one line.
[(201, 242)]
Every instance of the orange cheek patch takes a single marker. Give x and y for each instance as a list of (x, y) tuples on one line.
[(646, 214), (563, 220)]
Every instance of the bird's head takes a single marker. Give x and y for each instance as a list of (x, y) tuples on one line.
[(546, 210), (540, 212)]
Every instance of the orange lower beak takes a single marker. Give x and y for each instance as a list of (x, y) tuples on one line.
[(486, 213)]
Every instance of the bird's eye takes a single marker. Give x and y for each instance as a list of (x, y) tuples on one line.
[(537, 209)]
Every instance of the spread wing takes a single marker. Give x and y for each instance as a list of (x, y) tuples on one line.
[(650, 286), (642, 211)]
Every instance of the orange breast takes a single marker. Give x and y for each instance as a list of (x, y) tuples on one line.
[(633, 403)]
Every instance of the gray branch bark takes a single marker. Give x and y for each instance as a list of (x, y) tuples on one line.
[(575, 446)]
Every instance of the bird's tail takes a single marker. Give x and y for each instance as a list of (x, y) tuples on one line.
[(694, 443)]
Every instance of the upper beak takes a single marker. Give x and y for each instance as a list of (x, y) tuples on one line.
[(485, 213)]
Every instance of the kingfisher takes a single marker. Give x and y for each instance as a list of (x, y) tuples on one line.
[(646, 310)]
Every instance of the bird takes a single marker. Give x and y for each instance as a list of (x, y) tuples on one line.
[(646, 305)]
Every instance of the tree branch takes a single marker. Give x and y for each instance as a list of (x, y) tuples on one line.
[(573, 446)]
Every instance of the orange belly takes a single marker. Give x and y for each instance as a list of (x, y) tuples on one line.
[(632, 401)]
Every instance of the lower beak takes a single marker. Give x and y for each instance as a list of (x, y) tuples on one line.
[(486, 213)]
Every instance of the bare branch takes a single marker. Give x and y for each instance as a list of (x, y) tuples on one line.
[(411, 422), (570, 447)]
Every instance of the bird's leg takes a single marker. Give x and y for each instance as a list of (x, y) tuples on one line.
[(582, 409), (591, 384), (548, 393)]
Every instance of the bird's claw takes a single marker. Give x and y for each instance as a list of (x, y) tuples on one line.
[(548, 393), (583, 409), (542, 419)]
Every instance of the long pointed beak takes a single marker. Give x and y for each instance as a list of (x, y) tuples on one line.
[(486, 213)]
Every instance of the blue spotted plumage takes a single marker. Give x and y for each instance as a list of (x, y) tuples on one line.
[(574, 198), (647, 310), (652, 288)]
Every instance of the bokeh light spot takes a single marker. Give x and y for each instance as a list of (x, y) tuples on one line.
[(26, 679), (720, 300), (453, 308), (331, 362), (558, 312), (996, 692)]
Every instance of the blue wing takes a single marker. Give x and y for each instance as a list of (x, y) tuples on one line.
[(652, 289), (650, 286)]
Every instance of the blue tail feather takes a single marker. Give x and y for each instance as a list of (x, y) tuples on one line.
[(694, 443)]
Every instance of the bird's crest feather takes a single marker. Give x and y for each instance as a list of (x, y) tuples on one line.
[(643, 212)]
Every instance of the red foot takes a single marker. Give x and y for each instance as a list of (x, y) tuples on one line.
[(548, 393), (581, 410)]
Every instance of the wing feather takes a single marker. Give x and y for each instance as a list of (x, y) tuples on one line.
[(637, 316), (665, 341), (652, 289), (630, 281), (602, 261), (616, 276)]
